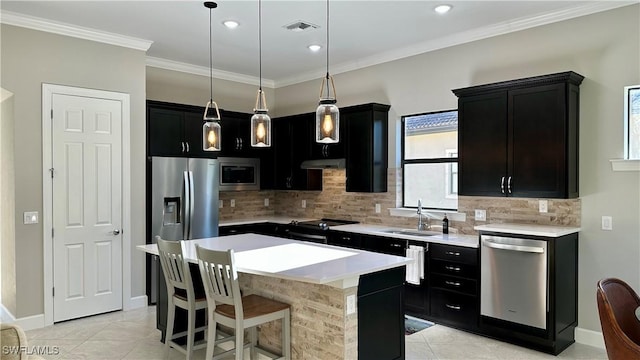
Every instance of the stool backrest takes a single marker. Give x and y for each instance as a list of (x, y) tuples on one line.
[(175, 269), (220, 278), (617, 303)]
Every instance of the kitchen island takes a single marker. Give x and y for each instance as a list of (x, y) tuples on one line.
[(331, 290)]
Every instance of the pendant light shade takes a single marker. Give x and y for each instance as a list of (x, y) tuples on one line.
[(211, 128), (327, 113), (260, 121)]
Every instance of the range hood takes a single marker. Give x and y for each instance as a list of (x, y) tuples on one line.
[(323, 164)]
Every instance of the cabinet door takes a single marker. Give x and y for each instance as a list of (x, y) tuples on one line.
[(328, 151), (281, 140), (366, 150), (537, 147), (482, 144), (165, 132), (236, 135), (193, 135), (300, 128)]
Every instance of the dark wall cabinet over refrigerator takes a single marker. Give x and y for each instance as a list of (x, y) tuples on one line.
[(175, 130), (520, 137)]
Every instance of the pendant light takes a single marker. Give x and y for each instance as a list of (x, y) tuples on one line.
[(211, 127), (260, 121), (327, 113)]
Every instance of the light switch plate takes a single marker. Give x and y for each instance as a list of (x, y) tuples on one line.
[(351, 304), (266, 202), (481, 215), (543, 206), (220, 204), (30, 217), (607, 223), (232, 203), (304, 204), (377, 208)]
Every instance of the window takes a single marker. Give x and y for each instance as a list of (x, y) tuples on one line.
[(430, 160), (632, 122)]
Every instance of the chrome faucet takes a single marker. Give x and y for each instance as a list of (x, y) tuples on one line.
[(421, 224)]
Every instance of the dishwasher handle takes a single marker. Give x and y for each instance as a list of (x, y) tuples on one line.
[(512, 247)]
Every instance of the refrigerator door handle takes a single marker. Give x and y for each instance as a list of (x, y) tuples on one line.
[(191, 203), (187, 205)]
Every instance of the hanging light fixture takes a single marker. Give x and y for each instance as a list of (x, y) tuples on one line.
[(260, 121), (211, 127), (327, 113)]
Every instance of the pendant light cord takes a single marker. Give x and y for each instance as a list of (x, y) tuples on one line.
[(260, 41), (210, 57), (328, 92)]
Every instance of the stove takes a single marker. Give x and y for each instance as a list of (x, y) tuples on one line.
[(314, 230), (322, 224)]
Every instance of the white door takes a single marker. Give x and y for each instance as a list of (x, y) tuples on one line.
[(87, 206)]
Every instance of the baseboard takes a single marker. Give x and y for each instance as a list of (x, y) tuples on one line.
[(136, 302), (589, 337), (6, 315), (30, 322)]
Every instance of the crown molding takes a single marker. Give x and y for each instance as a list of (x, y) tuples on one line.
[(459, 38), (30, 22), (204, 71)]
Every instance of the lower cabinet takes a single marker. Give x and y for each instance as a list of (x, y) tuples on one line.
[(381, 315)]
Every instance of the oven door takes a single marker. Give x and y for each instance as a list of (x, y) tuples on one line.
[(300, 233)]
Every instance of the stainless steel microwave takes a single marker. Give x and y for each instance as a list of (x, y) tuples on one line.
[(239, 174)]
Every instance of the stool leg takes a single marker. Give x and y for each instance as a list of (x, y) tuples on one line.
[(211, 334), (171, 314), (286, 335), (253, 335), (239, 340), (191, 325)]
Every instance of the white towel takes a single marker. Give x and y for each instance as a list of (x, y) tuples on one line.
[(415, 270)]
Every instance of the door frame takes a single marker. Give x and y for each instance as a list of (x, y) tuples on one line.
[(47, 192)]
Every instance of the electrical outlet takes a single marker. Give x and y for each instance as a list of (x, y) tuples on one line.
[(304, 204), (266, 202), (351, 304), (543, 206), (220, 204), (232, 203), (607, 223), (377, 208), (481, 215), (30, 217)]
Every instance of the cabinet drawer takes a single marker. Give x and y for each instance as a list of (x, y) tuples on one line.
[(344, 239), (454, 253), (454, 283), (454, 307), (385, 245), (456, 269)]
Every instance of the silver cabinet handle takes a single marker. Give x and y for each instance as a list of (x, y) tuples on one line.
[(187, 147), (241, 143), (509, 185), (116, 232), (396, 245), (502, 185), (182, 145), (453, 307), (452, 283), (454, 253), (453, 268)]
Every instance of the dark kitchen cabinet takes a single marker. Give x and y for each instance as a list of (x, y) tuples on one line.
[(235, 131), (175, 130), (520, 137), (291, 139), (344, 239), (453, 284), (366, 141), (328, 151)]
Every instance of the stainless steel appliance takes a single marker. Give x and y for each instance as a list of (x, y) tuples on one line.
[(313, 230), (239, 174), (514, 280), (184, 202)]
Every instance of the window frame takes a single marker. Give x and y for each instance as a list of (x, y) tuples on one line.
[(627, 121), (404, 161)]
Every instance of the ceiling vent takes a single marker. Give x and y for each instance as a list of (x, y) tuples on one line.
[(300, 25)]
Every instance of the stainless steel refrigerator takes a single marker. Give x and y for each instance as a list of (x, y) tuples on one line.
[(184, 203)]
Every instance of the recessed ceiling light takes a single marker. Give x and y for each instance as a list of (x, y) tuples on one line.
[(442, 9), (314, 47), (231, 24)]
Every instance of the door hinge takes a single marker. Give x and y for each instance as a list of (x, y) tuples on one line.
[(51, 232), (52, 114), (53, 291), (51, 171)]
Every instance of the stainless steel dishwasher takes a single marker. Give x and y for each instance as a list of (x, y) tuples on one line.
[(514, 280)]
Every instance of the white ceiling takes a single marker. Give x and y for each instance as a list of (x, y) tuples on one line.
[(362, 33)]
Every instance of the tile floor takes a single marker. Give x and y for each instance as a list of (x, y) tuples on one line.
[(132, 335)]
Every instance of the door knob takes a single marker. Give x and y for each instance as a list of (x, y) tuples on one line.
[(116, 232)]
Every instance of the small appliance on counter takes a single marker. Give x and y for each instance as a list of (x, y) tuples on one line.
[(313, 230)]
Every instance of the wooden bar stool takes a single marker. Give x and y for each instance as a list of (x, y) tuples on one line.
[(180, 293), (229, 308)]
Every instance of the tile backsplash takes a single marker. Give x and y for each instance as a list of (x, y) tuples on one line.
[(334, 202)]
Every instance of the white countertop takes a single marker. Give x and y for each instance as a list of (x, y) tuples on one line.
[(270, 219), (529, 229), (382, 230), (294, 260)]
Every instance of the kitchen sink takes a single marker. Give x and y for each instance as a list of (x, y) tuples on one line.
[(411, 232)]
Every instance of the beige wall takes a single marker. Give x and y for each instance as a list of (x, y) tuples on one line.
[(7, 203), (603, 47), (30, 58)]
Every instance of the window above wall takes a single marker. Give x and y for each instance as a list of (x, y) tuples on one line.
[(631, 161), (430, 160)]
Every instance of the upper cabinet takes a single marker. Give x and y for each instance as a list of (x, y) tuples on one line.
[(235, 131), (520, 138), (366, 144), (175, 130)]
